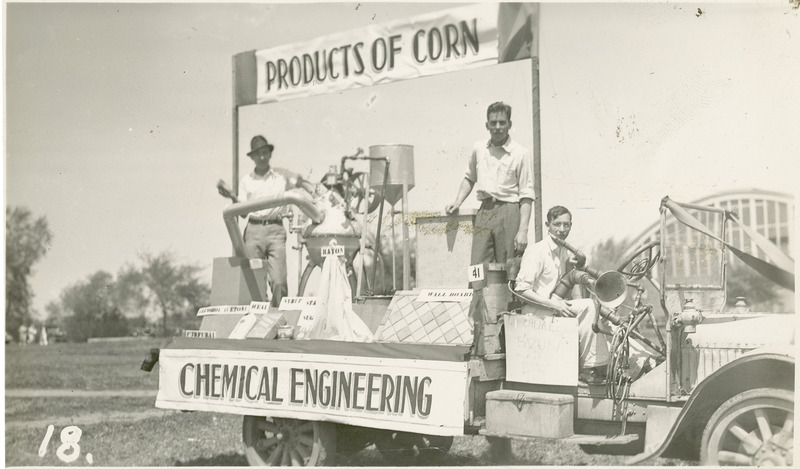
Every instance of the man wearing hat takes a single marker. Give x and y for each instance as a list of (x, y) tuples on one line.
[(265, 235)]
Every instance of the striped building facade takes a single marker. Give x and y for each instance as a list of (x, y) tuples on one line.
[(768, 212)]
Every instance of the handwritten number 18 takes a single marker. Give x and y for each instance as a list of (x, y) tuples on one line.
[(70, 450)]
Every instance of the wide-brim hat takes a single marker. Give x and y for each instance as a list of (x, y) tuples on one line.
[(259, 143)]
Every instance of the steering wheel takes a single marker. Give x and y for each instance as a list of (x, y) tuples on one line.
[(641, 262)]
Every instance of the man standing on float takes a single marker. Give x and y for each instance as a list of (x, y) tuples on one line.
[(264, 235), (501, 171)]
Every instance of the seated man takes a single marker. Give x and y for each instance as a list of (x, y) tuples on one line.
[(542, 266)]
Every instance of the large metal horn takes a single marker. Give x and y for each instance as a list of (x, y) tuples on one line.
[(611, 289)]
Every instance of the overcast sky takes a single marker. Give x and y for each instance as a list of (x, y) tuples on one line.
[(118, 116)]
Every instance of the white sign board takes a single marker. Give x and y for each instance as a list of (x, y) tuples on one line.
[(420, 396), (331, 251), (447, 295), (475, 273), (438, 42), (306, 319), (541, 349), (291, 303), (259, 307), (200, 334), (224, 309)]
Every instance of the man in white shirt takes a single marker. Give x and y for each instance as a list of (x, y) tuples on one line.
[(501, 170), (542, 266), (265, 235)]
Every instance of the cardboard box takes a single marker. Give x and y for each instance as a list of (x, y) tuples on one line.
[(526, 413)]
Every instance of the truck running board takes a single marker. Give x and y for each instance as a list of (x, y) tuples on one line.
[(599, 440)]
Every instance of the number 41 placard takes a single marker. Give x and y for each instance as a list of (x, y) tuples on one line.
[(475, 273)]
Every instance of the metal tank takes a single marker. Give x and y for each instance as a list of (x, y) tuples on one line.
[(399, 180)]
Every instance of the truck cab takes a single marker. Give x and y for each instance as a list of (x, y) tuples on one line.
[(721, 388)]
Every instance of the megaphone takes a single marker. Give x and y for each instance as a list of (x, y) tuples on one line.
[(611, 289)]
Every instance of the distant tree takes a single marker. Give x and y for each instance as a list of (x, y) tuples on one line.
[(90, 309), (174, 290), (607, 254), (742, 281), (55, 314), (27, 241)]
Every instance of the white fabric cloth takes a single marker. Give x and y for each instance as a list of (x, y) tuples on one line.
[(334, 318), (504, 172)]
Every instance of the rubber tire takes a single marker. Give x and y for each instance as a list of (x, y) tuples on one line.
[(322, 450), (409, 449), (743, 405)]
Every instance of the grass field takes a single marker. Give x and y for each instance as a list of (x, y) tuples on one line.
[(129, 431)]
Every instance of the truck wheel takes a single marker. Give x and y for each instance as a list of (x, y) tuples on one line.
[(753, 428), (288, 442), (407, 449)]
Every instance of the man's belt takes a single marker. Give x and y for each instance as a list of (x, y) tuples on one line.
[(494, 201), (258, 221)]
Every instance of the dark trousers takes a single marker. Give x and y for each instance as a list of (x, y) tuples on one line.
[(496, 225), (269, 242)]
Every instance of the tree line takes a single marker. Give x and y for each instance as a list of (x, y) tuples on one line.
[(106, 305), (102, 304)]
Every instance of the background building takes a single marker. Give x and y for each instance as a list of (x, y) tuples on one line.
[(768, 212)]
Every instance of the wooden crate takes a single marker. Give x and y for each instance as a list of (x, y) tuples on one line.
[(526, 413)]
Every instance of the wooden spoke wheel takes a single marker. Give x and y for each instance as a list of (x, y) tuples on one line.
[(356, 188), (753, 428), (288, 442), (405, 449)]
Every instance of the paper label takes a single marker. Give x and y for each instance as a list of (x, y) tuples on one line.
[(448, 295), (475, 273), (328, 251), (225, 309)]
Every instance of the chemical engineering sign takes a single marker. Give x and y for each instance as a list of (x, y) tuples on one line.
[(422, 396), (439, 42)]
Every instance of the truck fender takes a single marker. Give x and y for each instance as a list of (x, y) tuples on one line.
[(772, 367)]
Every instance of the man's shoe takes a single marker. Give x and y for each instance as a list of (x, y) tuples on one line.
[(594, 375)]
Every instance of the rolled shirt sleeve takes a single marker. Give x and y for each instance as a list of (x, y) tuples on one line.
[(472, 167), (525, 177)]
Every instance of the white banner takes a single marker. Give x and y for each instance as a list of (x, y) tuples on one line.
[(439, 42), (421, 396)]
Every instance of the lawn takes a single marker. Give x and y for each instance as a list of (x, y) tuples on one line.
[(90, 366), (129, 431)]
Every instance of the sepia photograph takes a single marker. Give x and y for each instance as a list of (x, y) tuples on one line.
[(371, 234)]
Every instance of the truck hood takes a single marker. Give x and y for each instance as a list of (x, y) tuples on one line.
[(744, 331)]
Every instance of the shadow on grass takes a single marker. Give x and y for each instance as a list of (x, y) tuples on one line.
[(373, 458), (229, 459)]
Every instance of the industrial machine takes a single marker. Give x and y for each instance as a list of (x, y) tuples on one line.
[(458, 355)]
